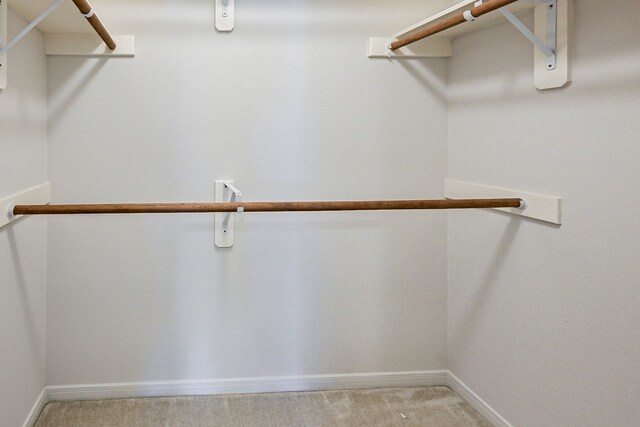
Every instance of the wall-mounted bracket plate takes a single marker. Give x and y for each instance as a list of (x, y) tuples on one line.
[(560, 75), (538, 206), (225, 12), (38, 195), (3, 42)]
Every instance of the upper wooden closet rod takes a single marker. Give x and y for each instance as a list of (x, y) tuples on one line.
[(86, 9), (265, 206), (451, 22)]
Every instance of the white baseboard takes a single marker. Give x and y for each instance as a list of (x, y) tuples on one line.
[(265, 385), (41, 401), (246, 385), (476, 402)]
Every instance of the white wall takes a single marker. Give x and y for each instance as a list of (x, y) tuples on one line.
[(543, 321), (289, 107), (23, 257)]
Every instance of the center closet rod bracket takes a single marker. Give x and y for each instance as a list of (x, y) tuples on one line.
[(225, 11), (236, 197), (226, 192)]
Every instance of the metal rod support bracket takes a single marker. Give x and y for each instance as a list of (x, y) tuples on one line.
[(224, 233), (29, 27), (4, 48), (548, 48), (236, 197)]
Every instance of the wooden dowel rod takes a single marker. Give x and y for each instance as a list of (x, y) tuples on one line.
[(141, 208), (449, 23), (85, 7)]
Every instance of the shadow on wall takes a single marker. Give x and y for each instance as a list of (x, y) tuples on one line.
[(483, 292), (26, 309), (73, 87), (427, 78)]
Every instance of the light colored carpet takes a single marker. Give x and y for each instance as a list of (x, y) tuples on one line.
[(422, 406)]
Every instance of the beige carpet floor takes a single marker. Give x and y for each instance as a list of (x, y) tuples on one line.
[(422, 406)]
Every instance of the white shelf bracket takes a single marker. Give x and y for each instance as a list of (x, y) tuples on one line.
[(549, 48), (28, 28), (551, 36), (226, 192), (225, 11), (553, 21), (5, 47)]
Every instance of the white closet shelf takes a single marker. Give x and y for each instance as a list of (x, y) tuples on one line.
[(64, 20), (516, 8), (433, 47), (68, 28), (432, 36)]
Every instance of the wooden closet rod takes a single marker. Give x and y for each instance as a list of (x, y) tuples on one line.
[(141, 208), (450, 22), (86, 9)]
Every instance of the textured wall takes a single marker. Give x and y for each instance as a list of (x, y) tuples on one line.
[(23, 256), (543, 321), (289, 107)]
